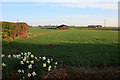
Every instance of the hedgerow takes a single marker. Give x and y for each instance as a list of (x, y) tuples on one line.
[(14, 30)]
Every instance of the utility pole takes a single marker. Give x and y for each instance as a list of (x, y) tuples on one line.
[(104, 22), (17, 20)]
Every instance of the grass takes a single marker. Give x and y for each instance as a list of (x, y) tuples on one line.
[(36, 30), (74, 47), (86, 28)]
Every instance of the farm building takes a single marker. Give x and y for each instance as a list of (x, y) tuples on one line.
[(63, 27), (14, 30), (94, 26)]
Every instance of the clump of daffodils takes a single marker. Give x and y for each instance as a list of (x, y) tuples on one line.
[(31, 65)]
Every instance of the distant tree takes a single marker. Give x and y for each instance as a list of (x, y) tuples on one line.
[(39, 26), (30, 26)]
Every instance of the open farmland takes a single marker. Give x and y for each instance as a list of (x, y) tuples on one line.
[(73, 47)]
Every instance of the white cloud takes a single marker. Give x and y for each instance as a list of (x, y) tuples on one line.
[(94, 5)]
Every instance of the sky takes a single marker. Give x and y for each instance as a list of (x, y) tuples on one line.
[(56, 12)]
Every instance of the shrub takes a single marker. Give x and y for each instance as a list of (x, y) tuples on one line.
[(14, 30)]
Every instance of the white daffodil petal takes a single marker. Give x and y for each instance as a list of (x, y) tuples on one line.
[(44, 58), (33, 73), (22, 71), (9, 56), (21, 62), (28, 74), (19, 71), (56, 63), (2, 55), (44, 65), (32, 62), (30, 66), (48, 62), (49, 69), (32, 56)]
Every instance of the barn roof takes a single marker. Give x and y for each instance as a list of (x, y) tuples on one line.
[(62, 26)]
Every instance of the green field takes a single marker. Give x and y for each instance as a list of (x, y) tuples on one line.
[(73, 47)]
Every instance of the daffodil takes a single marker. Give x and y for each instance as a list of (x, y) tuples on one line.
[(29, 53), (56, 63), (25, 54), (21, 62), (33, 73), (22, 71), (2, 55), (19, 71), (36, 58), (49, 69), (3, 64), (9, 56), (27, 61), (32, 56), (24, 59), (14, 56), (44, 58), (30, 66), (32, 62), (21, 53), (44, 65), (39, 57), (28, 74), (51, 59), (48, 61), (18, 56)]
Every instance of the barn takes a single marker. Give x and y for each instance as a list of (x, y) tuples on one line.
[(63, 27)]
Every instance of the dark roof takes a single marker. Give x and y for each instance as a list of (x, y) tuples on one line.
[(62, 26)]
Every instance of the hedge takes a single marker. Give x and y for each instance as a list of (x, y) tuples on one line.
[(14, 30)]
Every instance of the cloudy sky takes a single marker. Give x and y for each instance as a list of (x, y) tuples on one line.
[(70, 12)]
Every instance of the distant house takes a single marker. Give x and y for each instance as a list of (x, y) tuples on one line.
[(63, 27), (94, 26)]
